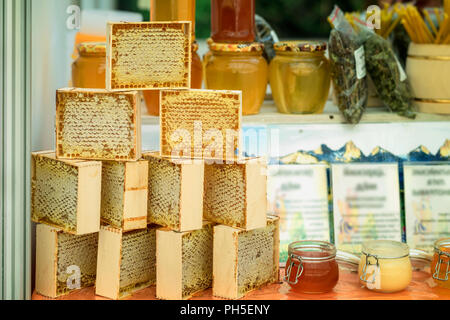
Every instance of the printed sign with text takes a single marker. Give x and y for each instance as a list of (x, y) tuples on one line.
[(366, 202), (427, 204), (298, 194)]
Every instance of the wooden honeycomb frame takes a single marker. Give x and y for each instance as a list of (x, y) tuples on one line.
[(114, 264), (183, 262), (233, 279), (154, 67), (81, 181), (235, 195), (124, 194), (219, 110), (95, 124), (58, 256), (175, 192)]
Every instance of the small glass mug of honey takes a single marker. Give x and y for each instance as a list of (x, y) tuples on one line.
[(440, 267), (312, 267)]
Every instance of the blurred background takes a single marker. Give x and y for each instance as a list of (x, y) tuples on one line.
[(289, 18), (53, 53)]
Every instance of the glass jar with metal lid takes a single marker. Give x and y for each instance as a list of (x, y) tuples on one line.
[(152, 96), (88, 71), (173, 10), (239, 67), (440, 267), (385, 266), (300, 77), (311, 267), (233, 21)]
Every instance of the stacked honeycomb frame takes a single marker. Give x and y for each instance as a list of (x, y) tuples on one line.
[(96, 124), (64, 262), (201, 124), (126, 261), (235, 194), (184, 262), (124, 194), (134, 59), (66, 193), (175, 192), (245, 260)]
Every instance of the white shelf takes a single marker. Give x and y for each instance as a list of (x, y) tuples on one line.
[(331, 115)]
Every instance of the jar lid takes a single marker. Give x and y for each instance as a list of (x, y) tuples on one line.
[(442, 246), (92, 47), (300, 46), (420, 259), (385, 249), (195, 46), (348, 260), (313, 250), (237, 47)]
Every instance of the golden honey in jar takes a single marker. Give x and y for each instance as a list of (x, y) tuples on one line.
[(152, 96), (207, 56), (239, 67), (440, 267), (88, 70), (312, 267), (233, 21), (385, 266), (300, 77), (173, 10)]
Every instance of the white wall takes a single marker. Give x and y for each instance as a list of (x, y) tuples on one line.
[(52, 45)]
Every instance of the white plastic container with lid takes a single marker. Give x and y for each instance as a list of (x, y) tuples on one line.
[(385, 266)]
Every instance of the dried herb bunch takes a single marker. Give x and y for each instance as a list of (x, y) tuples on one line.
[(388, 75), (351, 92)]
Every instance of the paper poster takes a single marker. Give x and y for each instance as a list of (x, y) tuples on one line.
[(366, 203), (427, 204), (298, 194)]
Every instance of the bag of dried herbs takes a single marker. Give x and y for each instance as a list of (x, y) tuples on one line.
[(347, 68), (386, 72)]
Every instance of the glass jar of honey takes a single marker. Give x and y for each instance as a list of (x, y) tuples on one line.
[(88, 70), (152, 96), (311, 267), (440, 267), (239, 67), (173, 10), (233, 21), (207, 56), (385, 266), (300, 77)]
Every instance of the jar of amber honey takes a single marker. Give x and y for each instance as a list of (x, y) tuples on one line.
[(173, 10), (311, 267), (385, 266), (300, 77), (88, 71), (233, 21), (152, 96), (207, 56), (440, 267), (239, 67)]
